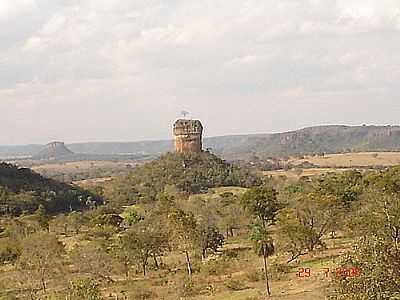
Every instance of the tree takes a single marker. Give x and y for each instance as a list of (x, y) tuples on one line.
[(92, 260), (320, 213), (209, 239), (303, 225), (41, 257), (377, 263), (141, 242), (183, 228), (230, 214), (376, 255), (262, 203), (294, 237), (264, 246), (75, 220), (377, 214), (42, 217)]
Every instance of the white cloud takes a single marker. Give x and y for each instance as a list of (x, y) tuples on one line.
[(142, 56), (10, 9)]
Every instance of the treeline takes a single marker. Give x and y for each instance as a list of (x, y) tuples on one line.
[(22, 191)]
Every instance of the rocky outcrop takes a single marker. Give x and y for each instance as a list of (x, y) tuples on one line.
[(54, 150), (188, 136)]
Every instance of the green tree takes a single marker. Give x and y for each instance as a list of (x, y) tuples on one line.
[(76, 220), (184, 234), (376, 221), (209, 239), (262, 203), (141, 242), (294, 237), (307, 220), (377, 264), (230, 214)]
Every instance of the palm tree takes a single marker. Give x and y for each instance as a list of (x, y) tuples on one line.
[(263, 245)]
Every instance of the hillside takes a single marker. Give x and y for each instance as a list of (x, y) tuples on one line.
[(328, 139), (190, 173), (312, 140), (22, 190)]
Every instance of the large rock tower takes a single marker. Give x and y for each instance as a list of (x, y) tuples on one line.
[(188, 136)]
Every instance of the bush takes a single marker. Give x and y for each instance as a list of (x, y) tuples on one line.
[(235, 285), (85, 288), (279, 271), (255, 276), (9, 251), (215, 267), (230, 254)]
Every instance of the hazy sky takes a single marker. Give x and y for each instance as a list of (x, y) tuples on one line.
[(122, 70)]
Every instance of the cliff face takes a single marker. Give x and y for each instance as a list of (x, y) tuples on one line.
[(54, 150), (188, 136)]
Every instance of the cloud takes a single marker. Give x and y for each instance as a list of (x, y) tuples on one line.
[(10, 9), (129, 63)]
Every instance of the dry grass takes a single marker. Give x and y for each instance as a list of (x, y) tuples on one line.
[(87, 183), (348, 160), (336, 163), (294, 174), (70, 167)]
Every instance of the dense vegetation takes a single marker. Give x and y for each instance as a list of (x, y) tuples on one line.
[(190, 173), (22, 190)]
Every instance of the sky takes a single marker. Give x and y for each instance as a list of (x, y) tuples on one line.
[(112, 70)]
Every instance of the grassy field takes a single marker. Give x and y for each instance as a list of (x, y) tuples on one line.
[(297, 173), (70, 167), (336, 163), (348, 160)]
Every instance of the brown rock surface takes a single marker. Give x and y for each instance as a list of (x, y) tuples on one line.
[(188, 136)]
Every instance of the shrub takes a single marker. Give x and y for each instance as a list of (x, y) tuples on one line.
[(255, 276), (9, 251), (235, 285), (279, 271), (187, 289), (230, 254), (215, 267), (85, 288)]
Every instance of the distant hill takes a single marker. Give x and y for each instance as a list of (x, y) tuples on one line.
[(327, 139), (54, 150), (311, 140)]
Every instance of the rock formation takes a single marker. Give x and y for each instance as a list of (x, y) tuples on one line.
[(53, 150), (188, 136)]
